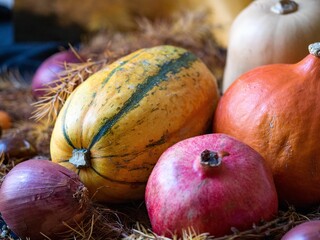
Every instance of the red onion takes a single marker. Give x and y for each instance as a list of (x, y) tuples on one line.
[(304, 231), (49, 71), (210, 183), (37, 196)]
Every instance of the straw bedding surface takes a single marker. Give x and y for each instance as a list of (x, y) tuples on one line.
[(33, 120)]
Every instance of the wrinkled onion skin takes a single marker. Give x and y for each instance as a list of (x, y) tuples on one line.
[(304, 231), (37, 195), (49, 71), (180, 193)]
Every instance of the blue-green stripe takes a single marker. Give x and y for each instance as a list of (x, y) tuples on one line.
[(64, 129), (170, 67)]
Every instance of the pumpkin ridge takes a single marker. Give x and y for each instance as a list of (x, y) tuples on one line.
[(64, 130), (112, 156), (117, 181), (132, 154), (106, 80), (172, 66), (81, 125)]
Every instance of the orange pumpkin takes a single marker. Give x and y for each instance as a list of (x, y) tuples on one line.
[(276, 110)]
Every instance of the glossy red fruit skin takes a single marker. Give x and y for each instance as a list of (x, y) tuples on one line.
[(49, 71), (304, 231), (181, 193)]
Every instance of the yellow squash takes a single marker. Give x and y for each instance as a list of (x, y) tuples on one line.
[(115, 125)]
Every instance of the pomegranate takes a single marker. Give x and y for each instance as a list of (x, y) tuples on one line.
[(210, 183), (50, 70)]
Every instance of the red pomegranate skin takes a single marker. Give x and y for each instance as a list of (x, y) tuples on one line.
[(49, 71), (182, 193)]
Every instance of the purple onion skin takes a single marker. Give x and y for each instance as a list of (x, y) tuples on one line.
[(49, 71), (304, 231), (37, 195)]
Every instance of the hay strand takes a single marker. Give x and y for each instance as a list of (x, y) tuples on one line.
[(49, 105)]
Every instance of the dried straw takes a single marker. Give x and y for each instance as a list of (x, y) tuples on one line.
[(48, 106)]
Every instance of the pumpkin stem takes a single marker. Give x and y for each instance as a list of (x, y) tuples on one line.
[(80, 158), (285, 7), (314, 49), (212, 158)]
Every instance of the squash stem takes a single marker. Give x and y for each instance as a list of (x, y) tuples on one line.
[(212, 158), (314, 49), (285, 7), (80, 158)]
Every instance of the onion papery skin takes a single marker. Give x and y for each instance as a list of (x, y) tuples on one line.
[(50, 70), (305, 231), (182, 194), (37, 196)]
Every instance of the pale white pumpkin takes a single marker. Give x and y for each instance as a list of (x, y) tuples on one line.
[(271, 31)]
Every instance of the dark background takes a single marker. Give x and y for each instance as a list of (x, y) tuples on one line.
[(24, 54)]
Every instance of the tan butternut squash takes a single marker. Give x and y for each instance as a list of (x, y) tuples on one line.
[(271, 31)]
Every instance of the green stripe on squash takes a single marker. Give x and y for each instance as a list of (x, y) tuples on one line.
[(172, 66), (93, 96)]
